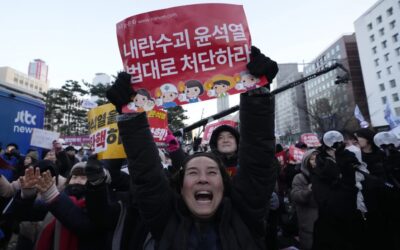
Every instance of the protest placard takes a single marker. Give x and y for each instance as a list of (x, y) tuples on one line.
[(104, 136), (208, 130), (43, 138), (310, 139), (186, 54)]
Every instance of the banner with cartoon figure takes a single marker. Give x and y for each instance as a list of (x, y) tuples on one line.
[(103, 129), (186, 54)]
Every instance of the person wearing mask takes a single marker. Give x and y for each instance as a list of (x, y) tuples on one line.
[(68, 225), (208, 210), (341, 215), (302, 195)]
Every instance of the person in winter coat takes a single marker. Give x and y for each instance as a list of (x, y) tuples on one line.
[(67, 226), (340, 224), (209, 211), (302, 195)]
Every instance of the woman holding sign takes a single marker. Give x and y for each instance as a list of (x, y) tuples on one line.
[(209, 211)]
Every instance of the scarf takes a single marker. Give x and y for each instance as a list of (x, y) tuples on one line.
[(56, 236)]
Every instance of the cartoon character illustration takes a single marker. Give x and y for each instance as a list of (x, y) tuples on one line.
[(190, 91), (166, 95), (219, 85), (141, 102), (247, 81)]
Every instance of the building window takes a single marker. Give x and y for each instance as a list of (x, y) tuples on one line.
[(374, 50), (383, 98), (392, 83), (389, 11), (392, 24), (369, 26), (379, 19), (378, 74), (382, 87), (395, 37), (21, 81), (15, 79), (382, 31), (395, 97), (376, 62), (397, 111), (337, 48), (386, 56), (372, 38), (389, 70), (384, 44), (397, 51)]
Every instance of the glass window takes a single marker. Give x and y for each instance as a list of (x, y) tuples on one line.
[(382, 87), (378, 74), (397, 51), (389, 11), (397, 111), (379, 19), (386, 56), (376, 62), (395, 97), (392, 83), (372, 38), (15, 79), (337, 48), (392, 24), (384, 44), (369, 26), (382, 31), (389, 70), (395, 37), (374, 50), (383, 98)]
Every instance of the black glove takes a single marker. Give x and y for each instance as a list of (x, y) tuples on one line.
[(347, 161), (94, 171), (121, 91), (260, 65)]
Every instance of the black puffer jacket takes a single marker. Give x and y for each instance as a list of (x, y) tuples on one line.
[(239, 222)]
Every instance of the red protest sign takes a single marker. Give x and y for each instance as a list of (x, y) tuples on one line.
[(210, 128), (158, 122), (310, 139), (186, 54), (295, 155)]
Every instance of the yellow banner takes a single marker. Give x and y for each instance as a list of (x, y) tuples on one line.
[(103, 131)]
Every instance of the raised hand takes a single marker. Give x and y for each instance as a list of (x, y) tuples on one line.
[(45, 182), (260, 65), (30, 179), (121, 92)]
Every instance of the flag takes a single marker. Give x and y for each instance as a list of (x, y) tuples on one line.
[(360, 117), (390, 118)]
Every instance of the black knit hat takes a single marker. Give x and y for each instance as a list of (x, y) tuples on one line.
[(217, 131), (45, 165)]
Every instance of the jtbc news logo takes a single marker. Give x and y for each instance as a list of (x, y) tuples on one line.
[(25, 117)]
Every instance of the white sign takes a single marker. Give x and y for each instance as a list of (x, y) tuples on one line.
[(43, 138)]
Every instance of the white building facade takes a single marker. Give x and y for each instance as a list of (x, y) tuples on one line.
[(378, 40)]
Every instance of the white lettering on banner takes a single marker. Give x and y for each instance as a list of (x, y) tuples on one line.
[(98, 140), (22, 129), (25, 117), (159, 133)]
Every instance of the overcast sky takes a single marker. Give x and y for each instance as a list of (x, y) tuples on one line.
[(78, 38)]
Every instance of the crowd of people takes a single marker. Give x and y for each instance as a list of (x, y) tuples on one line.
[(236, 195)]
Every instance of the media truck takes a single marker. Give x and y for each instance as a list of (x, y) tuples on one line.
[(19, 113)]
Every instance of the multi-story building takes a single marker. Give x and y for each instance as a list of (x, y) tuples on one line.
[(22, 81), (378, 40), (330, 105), (291, 118), (38, 69)]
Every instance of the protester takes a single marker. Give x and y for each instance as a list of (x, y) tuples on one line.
[(210, 211), (302, 195)]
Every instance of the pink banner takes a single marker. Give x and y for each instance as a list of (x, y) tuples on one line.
[(310, 139), (210, 128), (186, 54), (295, 155), (78, 140)]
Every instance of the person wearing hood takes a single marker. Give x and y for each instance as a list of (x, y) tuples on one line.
[(302, 195), (208, 210), (224, 143)]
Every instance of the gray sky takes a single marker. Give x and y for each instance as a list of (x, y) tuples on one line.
[(78, 38)]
